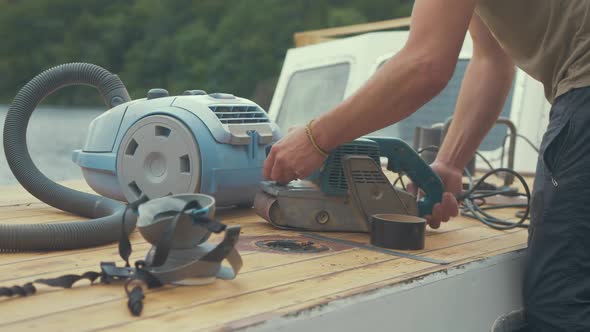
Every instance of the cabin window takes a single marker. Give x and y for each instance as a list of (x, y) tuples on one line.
[(439, 109), (311, 92)]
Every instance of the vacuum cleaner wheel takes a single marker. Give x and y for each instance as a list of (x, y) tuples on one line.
[(158, 156)]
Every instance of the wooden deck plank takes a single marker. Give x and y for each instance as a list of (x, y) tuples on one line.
[(323, 299), (17, 195), (270, 283), (246, 282), (229, 217), (214, 314), (54, 263), (42, 219), (28, 210), (175, 310), (258, 228)]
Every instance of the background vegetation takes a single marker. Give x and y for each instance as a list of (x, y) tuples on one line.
[(234, 46)]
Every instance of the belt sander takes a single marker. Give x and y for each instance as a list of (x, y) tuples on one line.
[(350, 188)]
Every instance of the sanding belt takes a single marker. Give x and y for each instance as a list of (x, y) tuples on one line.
[(385, 234)]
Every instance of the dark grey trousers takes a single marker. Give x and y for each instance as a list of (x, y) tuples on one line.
[(557, 273)]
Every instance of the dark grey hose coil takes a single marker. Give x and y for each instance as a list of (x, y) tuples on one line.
[(106, 227)]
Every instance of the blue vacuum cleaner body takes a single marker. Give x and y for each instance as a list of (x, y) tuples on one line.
[(163, 145)]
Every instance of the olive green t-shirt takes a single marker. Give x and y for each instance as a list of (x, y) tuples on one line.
[(548, 39)]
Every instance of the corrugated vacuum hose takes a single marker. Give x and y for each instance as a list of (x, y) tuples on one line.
[(106, 214)]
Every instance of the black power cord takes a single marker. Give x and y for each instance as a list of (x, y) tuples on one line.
[(470, 209), (473, 202)]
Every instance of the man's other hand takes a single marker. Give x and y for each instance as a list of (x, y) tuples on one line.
[(449, 207)]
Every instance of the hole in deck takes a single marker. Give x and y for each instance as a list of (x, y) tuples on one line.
[(295, 246)]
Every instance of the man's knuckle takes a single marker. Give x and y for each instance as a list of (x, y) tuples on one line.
[(280, 160)]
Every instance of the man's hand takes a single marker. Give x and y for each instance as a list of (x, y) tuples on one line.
[(293, 157), (448, 207)]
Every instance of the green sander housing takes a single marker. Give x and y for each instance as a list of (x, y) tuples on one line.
[(350, 188)]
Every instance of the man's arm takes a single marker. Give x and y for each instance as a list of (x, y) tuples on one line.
[(410, 79), (484, 90)]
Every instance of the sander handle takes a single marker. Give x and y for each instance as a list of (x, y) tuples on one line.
[(403, 158)]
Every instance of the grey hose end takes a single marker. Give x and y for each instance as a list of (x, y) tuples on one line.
[(106, 227), (67, 235)]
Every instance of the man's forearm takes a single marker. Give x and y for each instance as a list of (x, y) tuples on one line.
[(483, 93), (410, 79), (396, 91)]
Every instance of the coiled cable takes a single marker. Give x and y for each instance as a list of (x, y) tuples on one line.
[(472, 201)]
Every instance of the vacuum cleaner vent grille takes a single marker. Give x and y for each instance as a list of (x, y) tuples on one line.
[(368, 177), (239, 114)]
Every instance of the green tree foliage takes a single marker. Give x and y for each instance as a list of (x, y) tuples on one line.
[(215, 45)]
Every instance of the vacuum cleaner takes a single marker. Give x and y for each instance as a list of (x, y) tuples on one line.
[(153, 147)]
